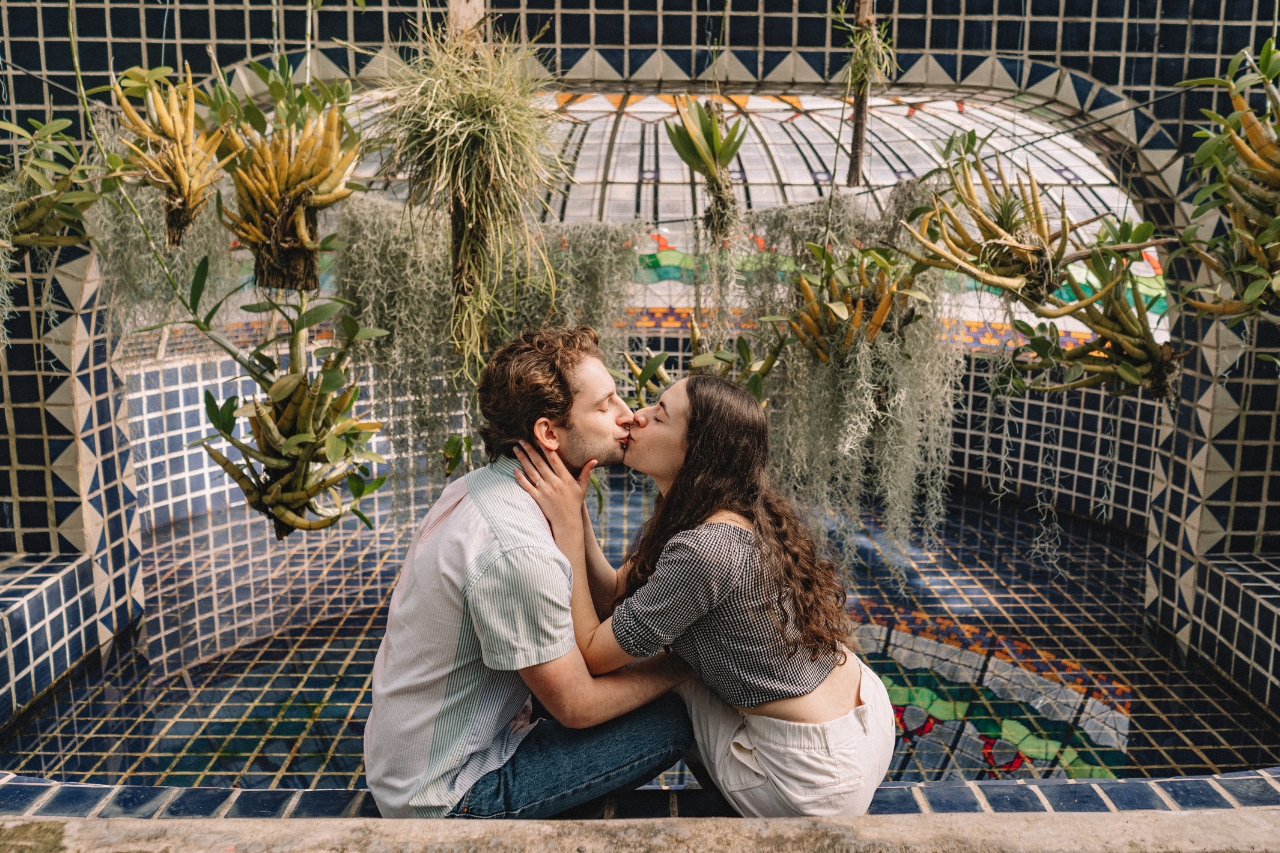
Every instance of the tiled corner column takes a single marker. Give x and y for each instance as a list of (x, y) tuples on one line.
[(1213, 541), (69, 569)]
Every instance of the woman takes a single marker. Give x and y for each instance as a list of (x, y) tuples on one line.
[(788, 721)]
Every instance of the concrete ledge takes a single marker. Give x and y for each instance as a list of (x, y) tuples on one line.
[(1167, 832)]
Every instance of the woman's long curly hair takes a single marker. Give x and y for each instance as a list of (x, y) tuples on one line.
[(725, 469)]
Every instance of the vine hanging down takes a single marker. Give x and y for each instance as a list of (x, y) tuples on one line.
[(1005, 238)]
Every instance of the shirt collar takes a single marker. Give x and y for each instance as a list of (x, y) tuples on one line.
[(505, 465)]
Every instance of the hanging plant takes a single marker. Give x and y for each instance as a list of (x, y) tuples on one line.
[(287, 170), (44, 193), (857, 298), (174, 150), (304, 438), (1239, 163), (1004, 238), (871, 61), (707, 147), (303, 435), (465, 130), (44, 189)]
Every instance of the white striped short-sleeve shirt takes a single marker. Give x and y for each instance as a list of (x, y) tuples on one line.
[(483, 592)]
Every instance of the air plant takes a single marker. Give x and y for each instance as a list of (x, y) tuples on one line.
[(467, 134), (1014, 250), (707, 147), (286, 170), (1240, 168), (175, 151)]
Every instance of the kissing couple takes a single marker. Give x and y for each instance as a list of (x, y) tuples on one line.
[(722, 639)]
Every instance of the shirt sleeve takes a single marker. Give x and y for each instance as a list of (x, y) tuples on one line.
[(693, 575), (520, 608)]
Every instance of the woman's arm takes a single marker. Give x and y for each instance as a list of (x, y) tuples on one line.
[(606, 581), (559, 495)]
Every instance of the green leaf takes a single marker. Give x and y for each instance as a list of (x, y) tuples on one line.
[(14, 129), (772, 318), (1074, 372), (650, 368), (917, 294), (334, 448), (1128, 373), (360, 515), (1024, 327), (1142, 232), (159, 71), (325, 352), (1255, 289), (744, 351), (212, 411), (256, 118), (376, 483), (839, 309), (317, 315), (292, 444), (369, 334), (227, 415), (756, 386), (284, 387), (258, 307), (705, 359), (197, 283), (332, 381), (356, 484)]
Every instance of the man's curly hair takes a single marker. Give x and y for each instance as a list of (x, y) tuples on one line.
[(529, 378)]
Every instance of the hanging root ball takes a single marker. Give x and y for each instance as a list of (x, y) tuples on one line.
[(177, 219), (286, 262), (1160, 380)]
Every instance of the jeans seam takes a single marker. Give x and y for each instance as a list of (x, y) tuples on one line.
[(515, 814)]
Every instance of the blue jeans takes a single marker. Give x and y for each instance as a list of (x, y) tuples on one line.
[(556, 768)]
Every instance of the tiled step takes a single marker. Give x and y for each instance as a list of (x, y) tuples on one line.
[(26, 796)]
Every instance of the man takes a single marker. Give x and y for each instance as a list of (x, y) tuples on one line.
[(480, 619)]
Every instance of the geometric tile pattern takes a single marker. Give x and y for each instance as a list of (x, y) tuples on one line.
[(1084, 452), (1214, 535), (67, 485), (259, 677)]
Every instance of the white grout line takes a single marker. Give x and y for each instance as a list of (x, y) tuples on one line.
[(1213, 783), (918, 793), (982, 798), (1271, 780), (1103, 794), (1164, 795), (291, 804), (102, 804), (221, 811), (42, 799), (164, 802), (1043, 798)]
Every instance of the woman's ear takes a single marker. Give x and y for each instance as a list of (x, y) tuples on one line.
[(546, 434)]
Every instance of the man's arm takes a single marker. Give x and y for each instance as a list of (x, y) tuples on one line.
[(579, 701)]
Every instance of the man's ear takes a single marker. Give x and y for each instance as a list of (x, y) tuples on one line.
[(547, 435)]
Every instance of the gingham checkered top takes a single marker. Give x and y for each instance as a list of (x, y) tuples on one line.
[(708, 599)]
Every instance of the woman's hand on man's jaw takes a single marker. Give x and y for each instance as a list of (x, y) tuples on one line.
[(556, 491)]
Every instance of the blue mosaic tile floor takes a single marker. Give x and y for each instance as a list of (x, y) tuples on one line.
[(251, 666)]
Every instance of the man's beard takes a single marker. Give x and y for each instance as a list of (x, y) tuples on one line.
[(576, 453)]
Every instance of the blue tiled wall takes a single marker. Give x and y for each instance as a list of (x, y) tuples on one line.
[(1214, 537), (67, 491)]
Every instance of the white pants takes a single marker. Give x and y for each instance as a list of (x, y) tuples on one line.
[(774, 768)]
